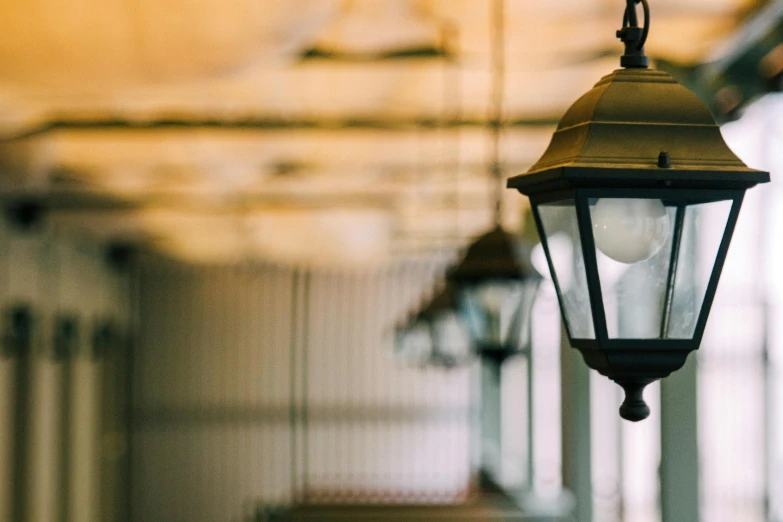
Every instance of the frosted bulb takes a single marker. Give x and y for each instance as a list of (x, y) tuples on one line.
[(494, 296), (630, 230)]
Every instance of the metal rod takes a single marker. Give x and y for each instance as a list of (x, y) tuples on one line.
[(675, 255), (452, 100), (496, 100)]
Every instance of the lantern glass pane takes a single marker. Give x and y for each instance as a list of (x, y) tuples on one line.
[(633, 243), (703, 228), (493, 311), (566, 259), (521, 328), (450, 337)]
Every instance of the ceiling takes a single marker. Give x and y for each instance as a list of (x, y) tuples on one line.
[(316, 131)]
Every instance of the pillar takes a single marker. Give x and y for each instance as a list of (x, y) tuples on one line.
[(679, 444), (577, 468)]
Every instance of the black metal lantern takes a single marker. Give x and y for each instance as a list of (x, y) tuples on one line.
[(496, 287), (436, 336), (631, 168)]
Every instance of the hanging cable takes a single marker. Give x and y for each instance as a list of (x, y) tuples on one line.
[(452, 112), (498, 72)]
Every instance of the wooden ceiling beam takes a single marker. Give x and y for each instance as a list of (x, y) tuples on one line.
[(272, 124)]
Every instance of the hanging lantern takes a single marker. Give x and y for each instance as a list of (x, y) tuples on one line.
[(637, 176), (436, 336), (450, 340), (496, 286), (495, 282)]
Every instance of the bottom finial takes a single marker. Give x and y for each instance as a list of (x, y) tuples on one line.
[(634, 408)]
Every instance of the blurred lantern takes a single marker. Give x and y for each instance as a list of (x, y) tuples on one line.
[(436, 336), (496, 285), (630, 168), (495, 282)]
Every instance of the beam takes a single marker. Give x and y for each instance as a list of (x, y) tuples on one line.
[(79, 202), (261, 123)]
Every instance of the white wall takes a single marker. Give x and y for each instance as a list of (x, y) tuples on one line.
[(217, 372)]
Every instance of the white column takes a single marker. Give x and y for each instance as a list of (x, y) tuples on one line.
[(23, 275), (7, 391), (679, 443), (85, 415), (113, 392), (84, 441), (44, 493), (577, 468), (46, 401), (491, 440)]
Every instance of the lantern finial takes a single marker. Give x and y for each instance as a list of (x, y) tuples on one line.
[(634, 408)]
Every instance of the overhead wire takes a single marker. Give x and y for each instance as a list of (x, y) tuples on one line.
[(497, 94)]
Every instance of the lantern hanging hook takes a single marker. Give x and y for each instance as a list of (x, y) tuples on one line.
[(633, 36)]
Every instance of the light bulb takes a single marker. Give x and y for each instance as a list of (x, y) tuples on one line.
[(561, 249), (494, 295), (630, 230)]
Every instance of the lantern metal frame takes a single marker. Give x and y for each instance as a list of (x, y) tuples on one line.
[(637, 134), (683, 198), (632, 362)]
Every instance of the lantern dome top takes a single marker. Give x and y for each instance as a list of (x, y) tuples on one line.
[(638, 127), (495, 255)]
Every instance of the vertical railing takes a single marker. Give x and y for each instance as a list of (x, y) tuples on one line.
[(48, 284)]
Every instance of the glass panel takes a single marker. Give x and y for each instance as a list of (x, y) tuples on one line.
[(566, 258), (519, 334), (633, 242), (450, 337), (492, 311), (703, 229)]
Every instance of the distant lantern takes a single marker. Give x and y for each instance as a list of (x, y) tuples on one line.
[(631, 168), (496, 287), (435, 336)]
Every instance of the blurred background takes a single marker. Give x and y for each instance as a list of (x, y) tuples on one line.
[(215, 214)]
